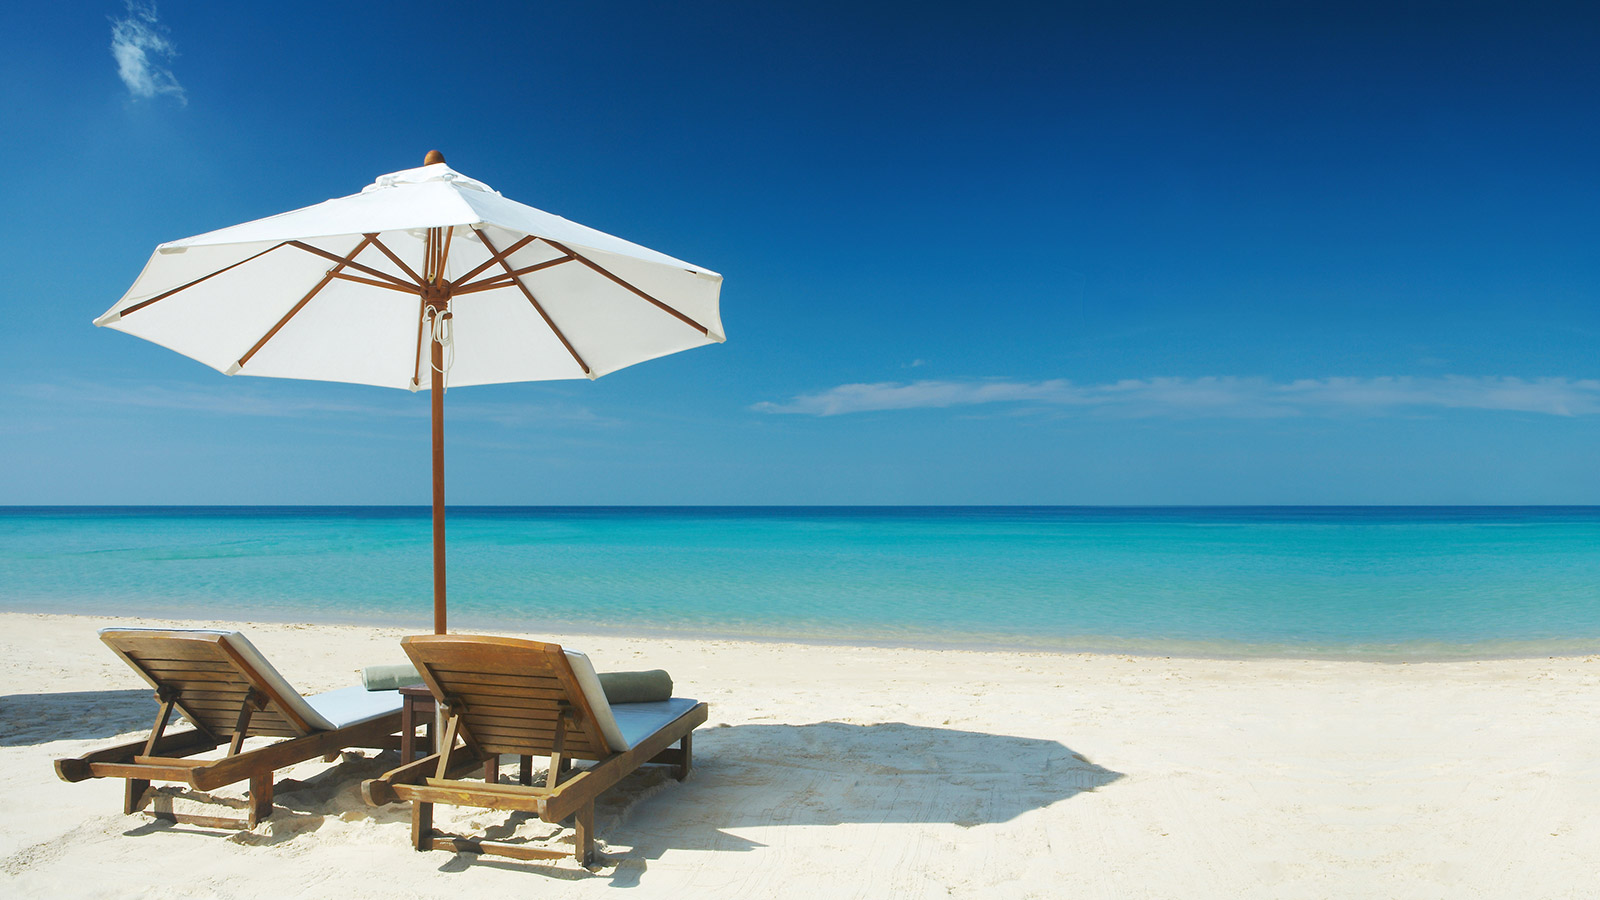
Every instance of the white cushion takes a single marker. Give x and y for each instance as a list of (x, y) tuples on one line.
[(354, 705), (638, 721)]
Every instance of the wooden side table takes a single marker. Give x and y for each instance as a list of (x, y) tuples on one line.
[(415, 701)]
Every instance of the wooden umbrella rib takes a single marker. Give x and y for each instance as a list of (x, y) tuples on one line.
[(518, 273), (504, 279), (490, 261), (143, 303), (377, 273), (410, 273), (326, 279), (549, 322), (480, 286), (444, 254), (641, 294), (344, 276)]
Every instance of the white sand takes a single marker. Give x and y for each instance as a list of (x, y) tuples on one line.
[(830, 772)]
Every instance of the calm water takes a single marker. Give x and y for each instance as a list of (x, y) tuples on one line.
[(1382, 582)]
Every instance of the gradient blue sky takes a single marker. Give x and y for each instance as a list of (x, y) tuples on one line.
[(1056, 253)]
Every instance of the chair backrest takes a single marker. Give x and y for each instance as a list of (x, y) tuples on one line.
[(212, 673), (510, 693)]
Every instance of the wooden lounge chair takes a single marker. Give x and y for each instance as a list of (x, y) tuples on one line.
[(504, 695), (220, 683)]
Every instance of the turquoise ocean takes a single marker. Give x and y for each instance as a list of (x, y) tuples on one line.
[(1342, 582)]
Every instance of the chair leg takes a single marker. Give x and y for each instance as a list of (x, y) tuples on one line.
[(260, 797), (583, 841), (687, 745), (525, 773), (491, 770), (421, 825), (133, 795)]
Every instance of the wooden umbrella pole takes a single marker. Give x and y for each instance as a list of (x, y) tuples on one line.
[(437, 401), (437, 298)]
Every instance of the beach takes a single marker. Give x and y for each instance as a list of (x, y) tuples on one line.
[(842, 771), (1072, 451)]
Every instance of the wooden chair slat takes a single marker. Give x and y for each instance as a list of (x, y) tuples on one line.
[(471, 689), (523, 667), (536, 718), (190, 665), (503, 702), (209, 691), (156, 650), (517, 680), (535, 741), (193, 676)]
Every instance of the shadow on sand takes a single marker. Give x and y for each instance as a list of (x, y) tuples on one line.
[(828, 773), (28, 719)]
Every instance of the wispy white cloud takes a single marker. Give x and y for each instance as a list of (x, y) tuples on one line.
[(1215, 396), (140, 45)]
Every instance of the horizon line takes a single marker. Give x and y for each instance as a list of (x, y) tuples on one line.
[(425, 506)]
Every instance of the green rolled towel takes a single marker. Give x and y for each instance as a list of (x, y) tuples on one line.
[(389, 678), (636, 687)]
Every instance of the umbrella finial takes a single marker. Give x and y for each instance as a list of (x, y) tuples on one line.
[(433, 156)]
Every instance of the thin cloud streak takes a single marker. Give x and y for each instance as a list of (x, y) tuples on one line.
[(1214, 396), (142, 50)]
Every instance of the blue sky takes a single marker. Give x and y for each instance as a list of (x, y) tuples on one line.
[(1076, 253)]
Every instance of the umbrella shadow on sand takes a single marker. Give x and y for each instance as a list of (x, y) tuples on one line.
[(29, 719), (827, 773)]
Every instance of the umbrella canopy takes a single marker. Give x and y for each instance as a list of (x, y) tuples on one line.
[(334, 292), (426, 278)]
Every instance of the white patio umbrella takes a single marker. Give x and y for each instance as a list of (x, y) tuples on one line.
[(425, 279)]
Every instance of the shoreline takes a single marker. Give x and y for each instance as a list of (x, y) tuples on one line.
[(1412, 653), (870, 772)]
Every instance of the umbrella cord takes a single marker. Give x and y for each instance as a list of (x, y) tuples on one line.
[(444, 332)]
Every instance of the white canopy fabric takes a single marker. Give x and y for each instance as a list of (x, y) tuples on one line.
[(532, 296)]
